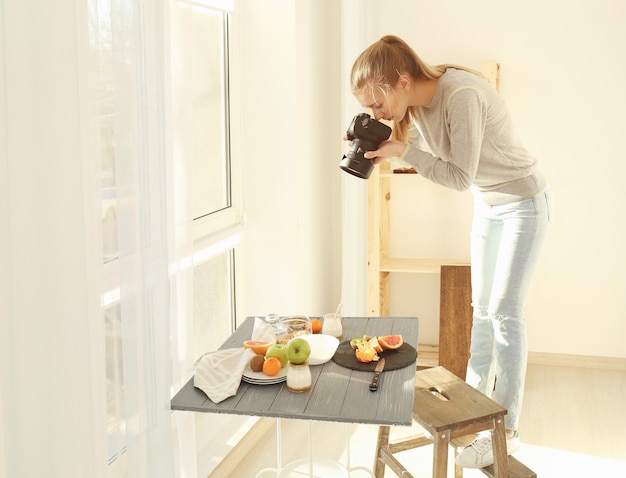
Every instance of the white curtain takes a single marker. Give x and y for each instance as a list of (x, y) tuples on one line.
[(357, 35), (95, 295)]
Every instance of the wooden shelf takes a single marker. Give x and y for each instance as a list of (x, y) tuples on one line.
[(427, 355), (398, 173), (420, 266)]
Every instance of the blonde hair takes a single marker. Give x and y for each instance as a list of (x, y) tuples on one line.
[(379, 68)]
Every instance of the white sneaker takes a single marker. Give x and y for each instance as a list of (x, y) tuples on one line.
[(480, 452)]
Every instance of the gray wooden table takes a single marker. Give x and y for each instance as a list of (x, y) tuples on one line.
[(338, 394)]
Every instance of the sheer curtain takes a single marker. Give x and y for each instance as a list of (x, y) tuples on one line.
[(95, 283), (357, 35)]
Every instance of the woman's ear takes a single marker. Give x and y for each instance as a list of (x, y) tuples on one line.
[(404, 82)]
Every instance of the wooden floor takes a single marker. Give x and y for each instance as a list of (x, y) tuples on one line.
[(573, 425)]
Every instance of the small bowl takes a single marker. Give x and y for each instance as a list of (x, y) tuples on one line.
[(323, 347)]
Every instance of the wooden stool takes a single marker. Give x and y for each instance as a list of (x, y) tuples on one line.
[(449, 409)]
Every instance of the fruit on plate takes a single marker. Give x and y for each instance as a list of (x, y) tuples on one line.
[(367, 348), (298, 351), (271, 366), (354, 343), (390, 342), (365, 353), (375, 345), (259, 347), (256, 363), (279, 351)]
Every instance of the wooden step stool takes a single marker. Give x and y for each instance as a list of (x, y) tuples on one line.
[(449, 409)]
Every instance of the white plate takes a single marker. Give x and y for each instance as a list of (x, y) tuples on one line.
[(252, 382), (259, 378)]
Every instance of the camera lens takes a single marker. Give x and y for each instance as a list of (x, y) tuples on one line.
[(355, 162), (367, 134)]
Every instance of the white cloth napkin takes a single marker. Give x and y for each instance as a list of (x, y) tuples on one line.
[(218, 374)]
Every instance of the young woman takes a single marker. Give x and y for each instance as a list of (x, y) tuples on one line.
[(466, 126)]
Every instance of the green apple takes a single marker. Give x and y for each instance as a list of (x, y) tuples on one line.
[(279, 351), (298, 351)]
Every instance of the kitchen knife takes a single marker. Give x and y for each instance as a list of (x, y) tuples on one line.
[(377, 371)]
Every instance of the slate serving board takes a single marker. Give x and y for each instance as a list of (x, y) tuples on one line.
[(394, 359)]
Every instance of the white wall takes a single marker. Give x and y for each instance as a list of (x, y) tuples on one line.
[(290, 252), (562, 76)]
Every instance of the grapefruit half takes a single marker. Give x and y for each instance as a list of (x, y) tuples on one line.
[(257, 346), (390, 342)]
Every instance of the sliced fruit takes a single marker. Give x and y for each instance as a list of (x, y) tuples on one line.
[(354, 343), (365, 354), (390, 342), (375, 345), (257, 346)]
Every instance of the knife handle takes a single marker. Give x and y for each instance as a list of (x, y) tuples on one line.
[(374, 384)]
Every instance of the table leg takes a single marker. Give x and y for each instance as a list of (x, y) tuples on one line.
[(279, 464), (307, 465), (348, 447), (349, 466), (310, 448)]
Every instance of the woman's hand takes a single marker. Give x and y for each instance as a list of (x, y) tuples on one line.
[(386, 149)]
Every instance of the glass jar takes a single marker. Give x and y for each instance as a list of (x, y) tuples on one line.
[(332, 325), (274, 321), (298, 377), (293, 326)]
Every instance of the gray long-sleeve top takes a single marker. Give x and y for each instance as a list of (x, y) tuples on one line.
[(469, 130)]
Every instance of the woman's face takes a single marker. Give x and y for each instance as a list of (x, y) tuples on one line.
[(387, 103)]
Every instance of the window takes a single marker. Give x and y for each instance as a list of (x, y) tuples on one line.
[(216, 174), (216, 180), (213, 306), (209, 85)]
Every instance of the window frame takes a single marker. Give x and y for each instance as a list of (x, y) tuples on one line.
[(209, 231)]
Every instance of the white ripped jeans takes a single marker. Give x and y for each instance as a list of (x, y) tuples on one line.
[(505, 248)]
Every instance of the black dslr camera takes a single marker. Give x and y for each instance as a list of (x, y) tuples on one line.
[(366, 134)]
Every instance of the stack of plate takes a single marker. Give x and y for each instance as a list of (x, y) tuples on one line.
[(259, 378)]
